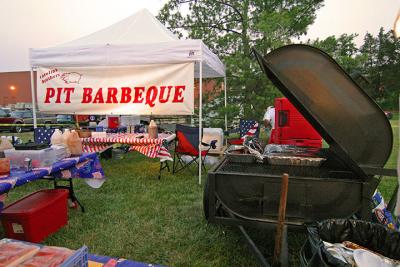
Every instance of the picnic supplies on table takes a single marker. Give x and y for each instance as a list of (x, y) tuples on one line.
[(5, 144), (153, 130), (39, 158), (84, 133), (36, 216), (4, 166), (65, 137), (56, 138), (74, 143)]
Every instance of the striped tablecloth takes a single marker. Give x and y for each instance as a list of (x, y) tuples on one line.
[(150, 147)]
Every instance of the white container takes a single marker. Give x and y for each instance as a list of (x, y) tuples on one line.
[(210, 134), (40, 158)]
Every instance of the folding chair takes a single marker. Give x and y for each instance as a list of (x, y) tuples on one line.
[(246, 128), (187, 144)]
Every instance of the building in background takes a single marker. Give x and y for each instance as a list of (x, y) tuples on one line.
[(15, 87)]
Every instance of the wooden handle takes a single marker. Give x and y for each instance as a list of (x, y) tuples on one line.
[(281, 217)]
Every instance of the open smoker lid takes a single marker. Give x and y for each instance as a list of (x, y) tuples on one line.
[(354, 126)]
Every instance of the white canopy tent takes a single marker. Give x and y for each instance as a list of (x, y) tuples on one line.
[(137, 40)]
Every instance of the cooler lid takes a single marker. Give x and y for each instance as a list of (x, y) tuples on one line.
[(353, 125)]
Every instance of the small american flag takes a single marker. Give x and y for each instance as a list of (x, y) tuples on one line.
[(43, 135), (248, 128)]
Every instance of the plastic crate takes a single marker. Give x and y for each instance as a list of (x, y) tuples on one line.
[(36, 216), (78, 259)]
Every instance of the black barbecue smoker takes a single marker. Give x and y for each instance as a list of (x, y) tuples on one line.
[(242, 191)]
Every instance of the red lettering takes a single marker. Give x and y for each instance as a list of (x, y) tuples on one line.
[(50, 92), (59, 90), (151, 95), (112, 94), (178, 93), (138, 95), (162, 90), (68, 92), (87, 95), (126, 95), (99, 97)]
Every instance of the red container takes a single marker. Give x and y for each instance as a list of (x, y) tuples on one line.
[(113, 122), (36, 216), (292, 128)]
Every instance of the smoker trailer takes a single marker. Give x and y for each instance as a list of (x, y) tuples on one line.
[(240, 191)]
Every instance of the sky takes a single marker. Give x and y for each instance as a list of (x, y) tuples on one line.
[(28, 24)]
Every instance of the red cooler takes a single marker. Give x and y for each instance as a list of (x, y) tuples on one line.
[(36, 216), (113, 122), (291, 128)]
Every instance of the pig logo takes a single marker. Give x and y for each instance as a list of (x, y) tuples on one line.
[(71, 77)]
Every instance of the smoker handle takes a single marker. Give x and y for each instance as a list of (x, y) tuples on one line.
[(379, 171)]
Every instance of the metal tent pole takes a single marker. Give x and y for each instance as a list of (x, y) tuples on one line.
[(33, 100), (226, 115), (200, 115)]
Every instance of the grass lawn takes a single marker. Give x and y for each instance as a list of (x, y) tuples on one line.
[(136, 216)]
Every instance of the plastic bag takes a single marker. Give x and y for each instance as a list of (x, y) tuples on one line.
[(65, 137), (373, 236), (74, 143), (56, 138)]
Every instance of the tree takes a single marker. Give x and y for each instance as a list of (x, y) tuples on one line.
[(382, 68), (375, 66), (231, 29)]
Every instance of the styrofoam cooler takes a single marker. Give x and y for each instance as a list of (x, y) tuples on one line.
[(210, 134)]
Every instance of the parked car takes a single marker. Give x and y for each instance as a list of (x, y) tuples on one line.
[(15, 120), (71, 119), (7, 110)]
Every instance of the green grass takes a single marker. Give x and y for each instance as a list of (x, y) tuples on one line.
[(136, 216)]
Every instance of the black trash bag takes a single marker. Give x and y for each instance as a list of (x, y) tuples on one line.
[(375, 237)]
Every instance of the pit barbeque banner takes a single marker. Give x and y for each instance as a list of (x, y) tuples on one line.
[(158, 89)]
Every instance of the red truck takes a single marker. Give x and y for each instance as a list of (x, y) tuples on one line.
[(16, 119)]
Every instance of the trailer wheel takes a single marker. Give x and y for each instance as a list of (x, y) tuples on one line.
[(206, 201)]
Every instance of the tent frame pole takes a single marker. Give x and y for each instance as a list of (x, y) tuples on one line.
[(200, 115), (226, 114), (33, 99)]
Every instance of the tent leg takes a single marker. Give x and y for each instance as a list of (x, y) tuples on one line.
[(33, 100), (226, 115), (200, 115)]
